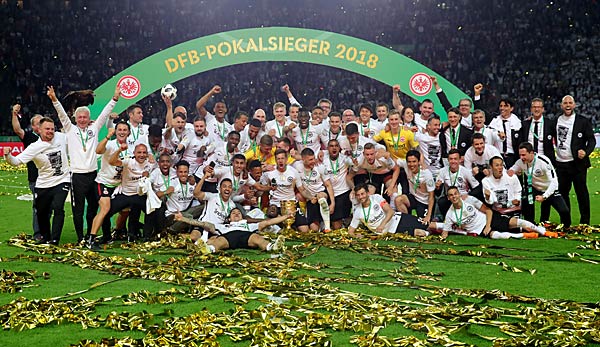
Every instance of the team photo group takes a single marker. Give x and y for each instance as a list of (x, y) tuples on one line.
[(223, 179)]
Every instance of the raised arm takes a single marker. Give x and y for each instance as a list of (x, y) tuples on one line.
[(102, 144), (16, 125), (169, 115), (396, 102), (290, 96), (62, 114), (272, 221), (106, 111), (204, 99), (440, 94), (115, 160)]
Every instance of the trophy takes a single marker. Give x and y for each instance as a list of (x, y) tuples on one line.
[(288, 207)]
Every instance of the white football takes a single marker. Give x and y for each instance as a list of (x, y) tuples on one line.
[(169, 91)]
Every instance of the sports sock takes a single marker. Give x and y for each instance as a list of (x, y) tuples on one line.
[(325, 213)]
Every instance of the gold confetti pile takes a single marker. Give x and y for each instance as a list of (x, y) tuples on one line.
[(296, 309)]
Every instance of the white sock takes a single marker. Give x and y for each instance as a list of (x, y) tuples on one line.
[(521, 223), (392, 202), (212, 248), (269, 246), (325, 213), (497, 235)]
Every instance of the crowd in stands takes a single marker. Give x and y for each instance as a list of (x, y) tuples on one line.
[(540, 49)]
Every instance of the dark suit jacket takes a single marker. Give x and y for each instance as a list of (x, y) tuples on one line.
[(464, 140), (582, 138), (549, 135)]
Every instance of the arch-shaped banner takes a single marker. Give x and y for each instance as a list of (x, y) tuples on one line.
[(273, 44)]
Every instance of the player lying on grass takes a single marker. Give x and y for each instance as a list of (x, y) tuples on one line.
[(469, 219), (235, 233)]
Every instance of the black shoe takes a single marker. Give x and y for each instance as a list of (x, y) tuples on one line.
[(38, 239), (54, 242), (91, 243)]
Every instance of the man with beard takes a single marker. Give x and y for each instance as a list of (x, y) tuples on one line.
[(541, 185), (176, 133), (318, 185), (430, 146), (426, 110), (221, 157), (179, 195), (196, 146), (353, 145), (283, 181), (138, 130), (133, 170), (456, 175), (575, 142), (216, 125), (377, 215), (49, 154), (306, 135), (477, 157), (249, 136), (476, 219), (29, 136), (336, 167), (421, 188), (381, 169)]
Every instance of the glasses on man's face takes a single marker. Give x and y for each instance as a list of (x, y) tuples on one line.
[(464, 105)]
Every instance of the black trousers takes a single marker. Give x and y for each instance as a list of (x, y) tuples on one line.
[(84, 189), (569, 175), (136, 203), (555, 200), (51, 201)]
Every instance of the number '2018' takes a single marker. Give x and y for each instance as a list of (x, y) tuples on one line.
[(354, 55)]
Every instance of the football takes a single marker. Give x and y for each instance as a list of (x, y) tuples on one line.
[(169, 91)]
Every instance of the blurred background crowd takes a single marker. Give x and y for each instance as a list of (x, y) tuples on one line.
[(519, 50)]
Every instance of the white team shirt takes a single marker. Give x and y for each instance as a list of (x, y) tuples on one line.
[(421, 123), (564, 135), (419, 184), (216, 209), (217, 132), (238, 182), (83, 142), (431, 151), (467, 219), (373, 126), (337, 170), (502, 192), (192, 145), (242, 225), (246, 143), (50, 158), (111, 175), (132, 173), (138, 134), (462, 179), (356, 149), (373, 215), (284, 181), (467, 121), (274, 125), (327, 135), (491, 136), (308, 138), (543, 175), (161, 182), (314, 179), (181, 198), (472, 158)]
